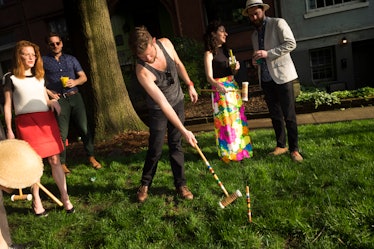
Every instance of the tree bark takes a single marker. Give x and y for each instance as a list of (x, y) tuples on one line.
[(109, 105)]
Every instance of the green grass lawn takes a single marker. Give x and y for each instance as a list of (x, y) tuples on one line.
[(325, 202)]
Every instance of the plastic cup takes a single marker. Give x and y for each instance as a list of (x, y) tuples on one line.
[(64, 80), (245, 91)]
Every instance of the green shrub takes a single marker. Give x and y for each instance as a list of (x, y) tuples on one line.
[(321, 97), (365, 92), (343, 94), (191, 53)]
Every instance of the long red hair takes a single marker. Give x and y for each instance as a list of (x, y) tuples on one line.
[(18, 67)]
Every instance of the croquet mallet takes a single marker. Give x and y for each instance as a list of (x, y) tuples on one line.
[(229, 198), (21, 196), (28, 197), (248, 197)]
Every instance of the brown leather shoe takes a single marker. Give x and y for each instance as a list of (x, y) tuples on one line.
[(142, 193), (296, 157), (185, 193), (95, 164), (278, 151), (65, 169)]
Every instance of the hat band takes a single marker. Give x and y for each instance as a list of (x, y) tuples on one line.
[(253, 4)]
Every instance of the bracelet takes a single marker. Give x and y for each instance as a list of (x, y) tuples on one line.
[(190, 84)]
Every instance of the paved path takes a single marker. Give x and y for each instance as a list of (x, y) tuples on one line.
[(308, 118)]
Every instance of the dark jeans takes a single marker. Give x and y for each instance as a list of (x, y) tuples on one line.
[(281, 103), (73, 108), (158, 125)]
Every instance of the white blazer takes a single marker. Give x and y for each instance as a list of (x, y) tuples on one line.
[(278, 42)]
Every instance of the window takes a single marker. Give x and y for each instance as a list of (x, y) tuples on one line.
[(316, 8), (314, 4), (58, 25), (322, 64)]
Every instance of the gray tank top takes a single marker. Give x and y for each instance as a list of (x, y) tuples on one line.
[(167, 81)]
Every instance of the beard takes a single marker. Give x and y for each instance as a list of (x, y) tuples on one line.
[(258, 23)]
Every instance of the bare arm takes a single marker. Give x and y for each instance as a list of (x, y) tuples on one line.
[(52, 103), (8, 113), (208, 59), (182, 72), (52, 94), (82, 78)]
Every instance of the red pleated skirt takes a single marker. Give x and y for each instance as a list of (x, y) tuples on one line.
[(40, 130)]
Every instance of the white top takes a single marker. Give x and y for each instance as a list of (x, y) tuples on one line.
[(29, 95)]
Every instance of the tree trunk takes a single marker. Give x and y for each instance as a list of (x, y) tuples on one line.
[(109, 105)]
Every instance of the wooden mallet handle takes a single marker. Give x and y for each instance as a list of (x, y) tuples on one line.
[(50, 194)]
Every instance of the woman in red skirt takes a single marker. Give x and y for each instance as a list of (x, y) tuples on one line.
[(35, 121)]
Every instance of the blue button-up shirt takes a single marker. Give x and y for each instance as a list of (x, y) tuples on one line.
[(265, 75), (67, 65)]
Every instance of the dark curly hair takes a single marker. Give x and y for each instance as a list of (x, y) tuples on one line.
[(210, 43)]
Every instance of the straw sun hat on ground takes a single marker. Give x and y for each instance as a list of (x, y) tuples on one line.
[(20, 165), (253, 3)]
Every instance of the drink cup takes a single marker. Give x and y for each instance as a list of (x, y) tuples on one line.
[(245, 91), (64, 80)]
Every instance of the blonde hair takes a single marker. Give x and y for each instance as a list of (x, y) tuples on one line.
[(18, 66)]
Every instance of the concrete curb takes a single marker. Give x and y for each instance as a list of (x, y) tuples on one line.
[(257, 121)]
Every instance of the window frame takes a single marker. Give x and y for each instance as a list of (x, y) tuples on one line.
[(334, 8), (326, 67)]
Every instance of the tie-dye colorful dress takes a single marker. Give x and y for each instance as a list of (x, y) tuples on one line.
[(230, 123)]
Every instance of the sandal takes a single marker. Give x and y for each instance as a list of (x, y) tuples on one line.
[(42, 214), (70, 211)]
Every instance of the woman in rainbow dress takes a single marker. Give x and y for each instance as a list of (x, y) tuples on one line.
[(230, 123)]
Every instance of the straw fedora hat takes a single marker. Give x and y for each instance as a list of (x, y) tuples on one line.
[(20, 165), (254, 3)]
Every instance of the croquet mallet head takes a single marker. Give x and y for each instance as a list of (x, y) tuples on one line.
[(229, 199)]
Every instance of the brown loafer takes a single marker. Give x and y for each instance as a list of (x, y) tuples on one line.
[(296, 157), (95, 164), (278, 151), (65, 169), (185, 193), (142, 193)]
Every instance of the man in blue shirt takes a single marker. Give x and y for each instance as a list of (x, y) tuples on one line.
[(57, 65)]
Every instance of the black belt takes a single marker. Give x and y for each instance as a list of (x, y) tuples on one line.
[(68, 94)]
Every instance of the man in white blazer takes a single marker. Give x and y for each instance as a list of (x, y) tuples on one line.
[(272, 43)]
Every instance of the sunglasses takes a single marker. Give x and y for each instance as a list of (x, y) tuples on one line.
[(54, 44), (169, 77)]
